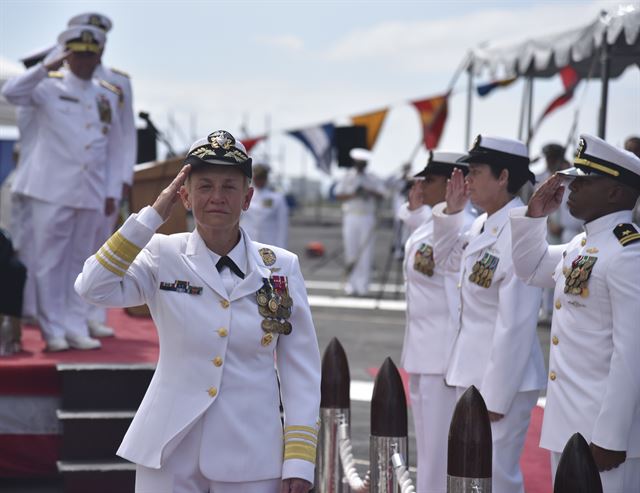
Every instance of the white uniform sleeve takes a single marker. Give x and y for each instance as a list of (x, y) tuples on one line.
[(513, 337), (622, 391), (447, 238), (534, 260), (24, 88), (415, 218), (129, 132), (123, 272), (298, 362)]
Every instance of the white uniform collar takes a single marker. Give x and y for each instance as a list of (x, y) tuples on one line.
[(608, 222), (238, 254)]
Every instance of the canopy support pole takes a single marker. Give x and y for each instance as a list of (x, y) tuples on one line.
[(467, 131), (605, 65), (530, 112)]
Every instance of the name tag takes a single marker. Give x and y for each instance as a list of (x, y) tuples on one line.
[(69, 98)]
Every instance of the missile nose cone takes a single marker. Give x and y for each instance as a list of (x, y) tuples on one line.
[(388, 403), (470, 444), (577, 471), (334, 387)]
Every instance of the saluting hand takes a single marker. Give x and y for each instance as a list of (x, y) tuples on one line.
[(607, 459), (547, 198), (57, 62), (415, 196), (457, 193), (168, 197), (295, 485)]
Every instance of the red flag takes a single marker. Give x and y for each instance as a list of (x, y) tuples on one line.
[(249, 143), (433, 114), (570, 80)]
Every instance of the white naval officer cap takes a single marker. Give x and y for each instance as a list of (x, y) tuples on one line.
[(443, 163), (500, 151), (360, 154), (219, 148), (594, 156), (100, 21), (82, 39)]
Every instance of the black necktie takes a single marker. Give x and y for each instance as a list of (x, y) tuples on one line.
[(227, 262)]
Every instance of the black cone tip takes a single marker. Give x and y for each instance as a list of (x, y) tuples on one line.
[(334, 387), (388, 403), (577, 471), (470, 446)]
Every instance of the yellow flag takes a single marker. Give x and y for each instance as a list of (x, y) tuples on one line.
[(373, 122)]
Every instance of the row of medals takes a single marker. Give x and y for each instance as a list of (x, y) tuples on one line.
[(276, 309), (481, 274), (577, 277), (423, 261)]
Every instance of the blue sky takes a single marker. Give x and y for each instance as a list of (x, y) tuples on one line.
[(198, 66)]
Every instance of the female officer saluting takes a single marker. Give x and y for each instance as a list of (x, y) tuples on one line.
[(223, 306)]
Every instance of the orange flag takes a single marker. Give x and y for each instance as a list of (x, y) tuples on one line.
[(249, 143), (433, 114), (373, 122)]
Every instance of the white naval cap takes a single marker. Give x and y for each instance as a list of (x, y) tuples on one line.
[(219, 148), (443, 163), (82, 38), (594, 156), (511, 154), (100, 21), (360, 154)]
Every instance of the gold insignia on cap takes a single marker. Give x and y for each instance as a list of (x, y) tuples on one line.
[(86, 37), (221, 139), (94, 20), (477, 141), (268, 256), (582, 145)]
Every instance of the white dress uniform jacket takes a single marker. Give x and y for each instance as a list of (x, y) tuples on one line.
[(362, 205), (127, 119), (594, 363), (213, 354), (496, 324), (78, 135), (267, 219)]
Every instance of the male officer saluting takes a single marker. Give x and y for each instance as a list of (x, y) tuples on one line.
[(121, 81), (70, 179), (594, 368), (224, 307)]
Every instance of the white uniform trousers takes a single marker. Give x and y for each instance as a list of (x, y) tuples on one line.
[(623, 479), (22, 234), (358, 234), (180, 471), (432, 404), (508, 435), (64, 238), (99, 313)]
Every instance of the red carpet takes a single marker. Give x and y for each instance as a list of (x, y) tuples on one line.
[(535, 462)]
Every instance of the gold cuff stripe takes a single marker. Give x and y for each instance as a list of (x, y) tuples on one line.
[(629, 238), (105, 253), (293, 436), (300, 451), (599, 167), (307, 429), (108, 266), (123, 247)]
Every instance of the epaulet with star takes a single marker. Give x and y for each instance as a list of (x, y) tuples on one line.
[(626, 234), (114, 89), (55, 74), (120, 72)]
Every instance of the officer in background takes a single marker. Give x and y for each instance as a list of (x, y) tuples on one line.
[(267, 220), (594, 377), (120, 80), (430, 330), (632, 144), (497, 347), (71, 181), (359, 191), (21, 228), (226, 309)]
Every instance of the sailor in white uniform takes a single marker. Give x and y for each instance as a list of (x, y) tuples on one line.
[(594, 368), (70, 181), (122, 81), (497, 347), (267, 219), (430, 329), (236, 338), (359, 191)]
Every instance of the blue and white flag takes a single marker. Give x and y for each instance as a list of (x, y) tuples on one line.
[(319, 141)]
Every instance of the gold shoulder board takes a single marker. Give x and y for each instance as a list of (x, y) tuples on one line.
[(54, 74), (114, 89), (120, 72)]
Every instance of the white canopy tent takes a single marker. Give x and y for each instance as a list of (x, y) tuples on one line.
[(602, 49)]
